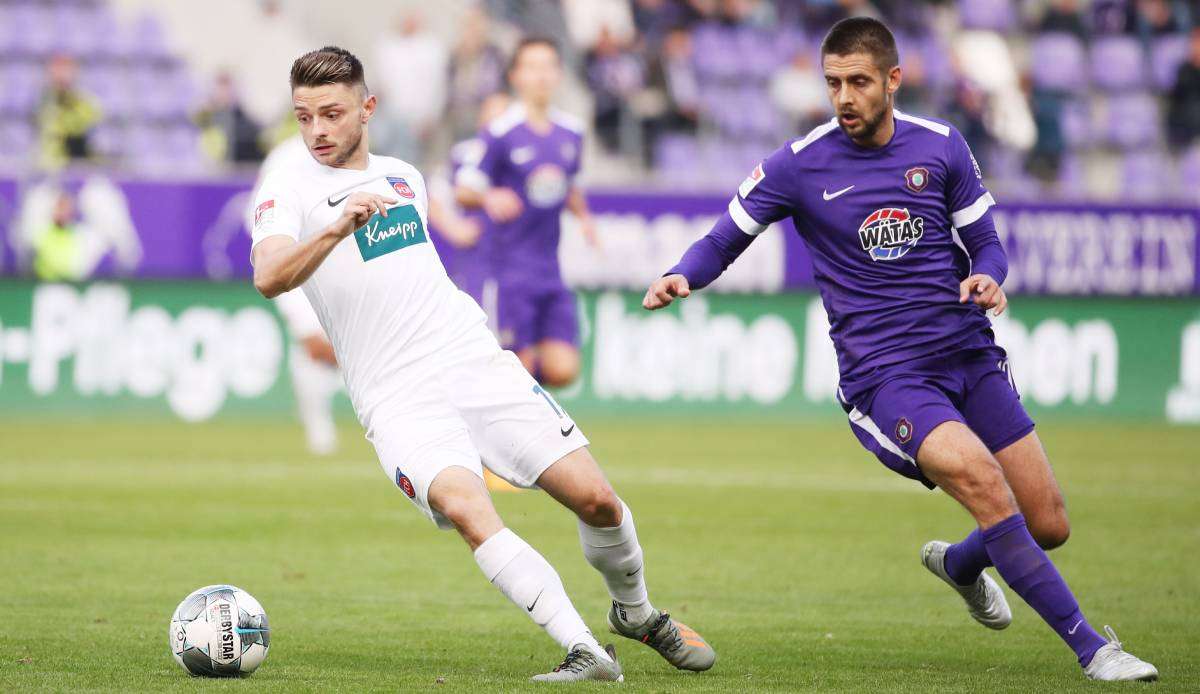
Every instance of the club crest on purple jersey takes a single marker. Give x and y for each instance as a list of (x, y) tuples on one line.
[(401, 187), (916, 178), (904, 430), (890, 233)]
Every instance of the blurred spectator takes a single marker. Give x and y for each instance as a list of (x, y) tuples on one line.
[(227, 133), (614, 75), (1158, 18), (66, 116), (412, 89), (1183, 114), (798, 90), (592, 21), (1063, 16), (56, 248), (672, 77), (653, 19), (476, 71)]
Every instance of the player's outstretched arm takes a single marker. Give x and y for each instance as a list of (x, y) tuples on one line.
[(281, 263), (703, 262), (664, 291)]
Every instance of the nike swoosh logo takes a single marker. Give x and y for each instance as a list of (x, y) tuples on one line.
[(1072, 629), (567, 432), (535, 600), (335, 203), (634, 572), (829, 196)]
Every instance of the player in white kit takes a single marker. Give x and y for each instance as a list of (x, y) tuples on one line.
[(438, 397)]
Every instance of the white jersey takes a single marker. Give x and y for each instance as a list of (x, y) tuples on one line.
[(382, 294)]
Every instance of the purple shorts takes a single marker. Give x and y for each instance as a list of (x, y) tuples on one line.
[(528, 315), (974, 386)]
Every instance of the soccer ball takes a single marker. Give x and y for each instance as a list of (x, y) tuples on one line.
[(219, 631)]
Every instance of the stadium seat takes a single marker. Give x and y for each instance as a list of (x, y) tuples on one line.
[(1118, 63), (1132, 121), (1166, 55), (1059, 63), (1145, 175), (986, 14)]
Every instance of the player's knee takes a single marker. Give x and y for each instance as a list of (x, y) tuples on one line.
[(558, 373), (981, 486), (601, 508), (1052, 533)]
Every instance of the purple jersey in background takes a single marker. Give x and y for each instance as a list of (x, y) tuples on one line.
[(883, 229), (540, 168), (471, 267)]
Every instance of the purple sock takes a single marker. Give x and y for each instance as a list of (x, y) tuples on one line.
[(967, 559), (1027, 570)]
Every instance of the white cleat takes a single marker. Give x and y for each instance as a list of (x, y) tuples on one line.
[(1112, 664), (985, 600)]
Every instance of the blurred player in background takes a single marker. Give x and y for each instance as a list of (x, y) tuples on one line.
[(436, 394), (906, 289), (523, 180)]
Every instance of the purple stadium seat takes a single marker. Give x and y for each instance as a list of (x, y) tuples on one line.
[(1059, 63), (149, 40), (1118, 63), (1146, 176), (1072, 183), (1133, 121), (1166, 55), (23, 83), (986, 14), (1076, 124), (18, 137)]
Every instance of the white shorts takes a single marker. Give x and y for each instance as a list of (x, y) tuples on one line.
[(481, 410)]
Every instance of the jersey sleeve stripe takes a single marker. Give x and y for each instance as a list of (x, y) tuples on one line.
[(743, 219), (973, 212)]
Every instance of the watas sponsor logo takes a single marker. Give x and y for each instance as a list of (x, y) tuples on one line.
[(890, 233)]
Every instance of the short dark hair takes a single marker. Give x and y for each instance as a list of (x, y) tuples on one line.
[(529, 42), (862, 35), (329, 65)]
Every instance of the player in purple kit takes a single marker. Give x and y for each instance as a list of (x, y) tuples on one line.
[(905, 254), (523, 180)]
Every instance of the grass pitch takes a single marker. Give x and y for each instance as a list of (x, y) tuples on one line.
[(790, 549)]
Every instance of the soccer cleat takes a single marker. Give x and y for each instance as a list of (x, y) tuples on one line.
[(985, 600), (675, 641), (582, 664), (1112, 664)]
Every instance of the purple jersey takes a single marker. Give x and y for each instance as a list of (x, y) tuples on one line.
[(892, 231), (540, 167), (470, 267)]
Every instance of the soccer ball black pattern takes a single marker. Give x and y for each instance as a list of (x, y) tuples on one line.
[(219, 631)]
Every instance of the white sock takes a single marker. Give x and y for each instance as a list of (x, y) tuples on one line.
[(527, 579), (616, 554)]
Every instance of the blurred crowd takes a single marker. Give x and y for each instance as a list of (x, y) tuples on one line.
[(1094, 99)]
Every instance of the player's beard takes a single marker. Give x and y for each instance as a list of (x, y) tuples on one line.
[(868, 126), (351, 149)]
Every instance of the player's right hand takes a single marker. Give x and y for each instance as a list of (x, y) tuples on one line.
[(360, 206), (664, 291), (502, 204)]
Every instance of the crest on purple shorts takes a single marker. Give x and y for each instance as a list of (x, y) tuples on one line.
[(904, 430)]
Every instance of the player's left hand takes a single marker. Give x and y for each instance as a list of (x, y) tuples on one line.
[(984, 291)]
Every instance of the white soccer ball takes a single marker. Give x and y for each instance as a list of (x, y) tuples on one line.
[(219, 631)]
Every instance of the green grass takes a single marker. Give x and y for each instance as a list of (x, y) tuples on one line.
[(785, 545)]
